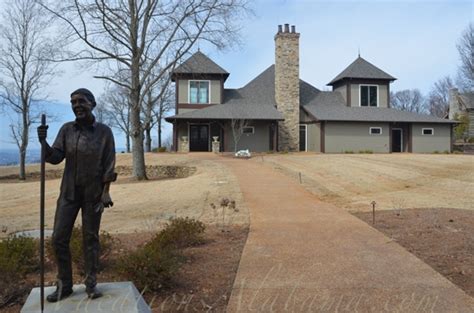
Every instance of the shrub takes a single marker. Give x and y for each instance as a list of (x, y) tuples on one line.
[(18, 255), (150, 268), (436, 152), (160, 149), (349, 152), (470, 140), (76, 247), (153, 266), (180, 233), (446, 152)]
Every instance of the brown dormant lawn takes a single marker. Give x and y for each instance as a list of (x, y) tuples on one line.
[(139, 206), (394, 181)]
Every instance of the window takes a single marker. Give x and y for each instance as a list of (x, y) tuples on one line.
[(427, 131), (369, 95), (375, 130), (198, 91), (248, 130)]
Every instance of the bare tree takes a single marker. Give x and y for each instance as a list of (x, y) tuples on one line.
[(164, 105), (148, 120), (465, 45), (154, 106), (410, 100), (438, 98), (24, 70), (116, 110), (144, 39), (237, 127)]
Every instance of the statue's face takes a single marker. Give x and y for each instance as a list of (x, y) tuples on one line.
[(81, 106)]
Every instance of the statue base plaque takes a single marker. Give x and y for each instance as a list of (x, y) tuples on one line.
[(120, 297)]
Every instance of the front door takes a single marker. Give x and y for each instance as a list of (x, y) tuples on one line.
[(397, 140), (198, 137)]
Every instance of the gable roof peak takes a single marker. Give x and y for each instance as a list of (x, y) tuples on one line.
[(199, 63), (361, 68)]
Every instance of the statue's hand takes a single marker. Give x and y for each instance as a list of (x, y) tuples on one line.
[(42, 132), (106, 200)]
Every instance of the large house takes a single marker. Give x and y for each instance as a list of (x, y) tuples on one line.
[(277, 111)]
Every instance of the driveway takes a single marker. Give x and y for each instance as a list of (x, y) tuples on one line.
[(304, 255)]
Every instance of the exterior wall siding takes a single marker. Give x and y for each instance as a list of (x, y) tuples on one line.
[(259, 141), (343, 90), (383, 95), (184, 87), (353, 136), (182, 91), (215, 91), (439, 141), (314, 137)]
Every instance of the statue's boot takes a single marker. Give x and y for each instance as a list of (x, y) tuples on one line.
[(59, 294), (93, 293)]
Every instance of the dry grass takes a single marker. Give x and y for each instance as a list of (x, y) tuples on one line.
[(394, 181), (139, 206)]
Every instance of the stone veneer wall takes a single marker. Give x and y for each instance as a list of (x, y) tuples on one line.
[(287, 87)]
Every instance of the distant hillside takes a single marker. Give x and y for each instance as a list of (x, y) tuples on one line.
[(11, 156)]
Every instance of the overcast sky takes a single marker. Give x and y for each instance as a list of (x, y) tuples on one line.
[(414, 41)]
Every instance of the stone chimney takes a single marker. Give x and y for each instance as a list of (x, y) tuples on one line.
[(454, 105), (287, 87)]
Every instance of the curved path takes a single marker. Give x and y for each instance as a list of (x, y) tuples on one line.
[(303, 255)]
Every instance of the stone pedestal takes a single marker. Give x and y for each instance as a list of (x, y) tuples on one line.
[(121, 297), (216, 145), (184, 144)]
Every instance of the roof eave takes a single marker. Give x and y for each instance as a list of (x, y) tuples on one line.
[(333, 82)]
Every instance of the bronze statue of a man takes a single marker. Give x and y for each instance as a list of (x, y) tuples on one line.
[(89, 150)]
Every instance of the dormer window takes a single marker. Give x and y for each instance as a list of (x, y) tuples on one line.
[(199, 91), (369, 95)]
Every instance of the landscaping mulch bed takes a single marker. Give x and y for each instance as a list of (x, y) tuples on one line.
[(154, 172), (203, 284), (442, 238)]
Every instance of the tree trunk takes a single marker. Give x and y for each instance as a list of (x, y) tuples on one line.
[(24, 140), (147, 139), (22, 163), (159, 131), (138, 155), (128, 143)]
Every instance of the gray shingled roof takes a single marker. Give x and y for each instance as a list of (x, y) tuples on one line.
[(199, 63), (231, 111), (330, 106), (256, 100), (361, 68), (468, 100)]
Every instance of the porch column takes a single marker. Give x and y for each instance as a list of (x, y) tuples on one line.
[(175, 136)]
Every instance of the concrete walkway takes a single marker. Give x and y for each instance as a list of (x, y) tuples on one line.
[(303, 255)]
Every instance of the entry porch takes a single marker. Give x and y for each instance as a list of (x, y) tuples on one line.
[(224, 135)]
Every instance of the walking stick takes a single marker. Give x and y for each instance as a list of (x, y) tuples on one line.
[(43, 156)]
